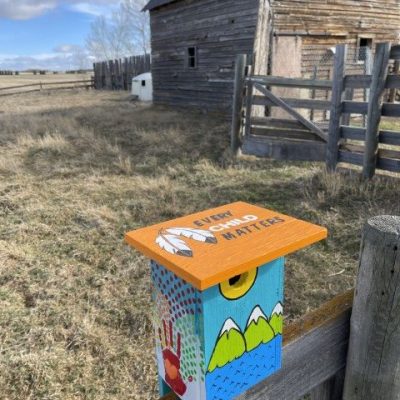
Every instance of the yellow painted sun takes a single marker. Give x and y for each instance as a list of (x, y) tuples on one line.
[(239, 285)]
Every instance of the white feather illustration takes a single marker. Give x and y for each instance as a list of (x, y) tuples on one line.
[(173, 244), (196, 234)]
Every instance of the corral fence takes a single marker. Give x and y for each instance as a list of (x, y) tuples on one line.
[(269, 122), (118, 74), (350, 347), (48, 86)]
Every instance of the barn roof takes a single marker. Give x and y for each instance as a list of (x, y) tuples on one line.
[(152, 4)]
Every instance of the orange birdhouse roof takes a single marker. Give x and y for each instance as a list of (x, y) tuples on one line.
[(212, 246)]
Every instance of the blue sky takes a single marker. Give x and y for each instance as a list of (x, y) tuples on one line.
[(43, 33)]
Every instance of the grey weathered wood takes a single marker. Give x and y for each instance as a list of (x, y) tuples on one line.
[(348, 96), (337, 108), (295, 103), (373, 362), (277, 123), (355, 107), (284, 133), (291, 82), (379, 76), (388, 164), (389, 137), (249, 104), (391, 110), (395, 53), (352, 132), (284, 148), (238, 97), (279, 102), (308, 360), (332, 389), (357, 81)]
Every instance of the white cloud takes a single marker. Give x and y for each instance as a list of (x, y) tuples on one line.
[(64, 57), (92, 9), (27, 9)]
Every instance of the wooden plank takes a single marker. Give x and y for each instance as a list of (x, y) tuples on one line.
[(223, 258), (315, 349), (391, 110), (291, 82), (350, 157), (284, 133), (355, 107), (357, 81), (373, 360), (389, 137), (337, 108), (284, 149), (249, 104), (388, 164), (278, 123), (352, 132), (238, 96), (395, 53), (393, 81), (379, 76), (277, 101), (332, 389), (295, 103), (348, 96)]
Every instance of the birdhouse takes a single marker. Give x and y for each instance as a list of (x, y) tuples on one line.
[(217, 285)]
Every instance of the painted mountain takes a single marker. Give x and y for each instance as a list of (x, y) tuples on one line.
[(276, 320), (229, 347), (258, 330)]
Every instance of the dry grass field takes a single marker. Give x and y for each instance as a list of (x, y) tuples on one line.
[(77, 170), (28, 78)]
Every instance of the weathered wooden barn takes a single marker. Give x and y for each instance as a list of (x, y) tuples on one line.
[(195, 42)]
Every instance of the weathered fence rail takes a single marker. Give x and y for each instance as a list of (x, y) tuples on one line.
[(349, 348), (39, 86), (118, 74), (298, 137)]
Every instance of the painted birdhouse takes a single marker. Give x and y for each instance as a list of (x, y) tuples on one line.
[(218, 281)]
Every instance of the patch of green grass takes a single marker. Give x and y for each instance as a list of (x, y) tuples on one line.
[(75, 300)]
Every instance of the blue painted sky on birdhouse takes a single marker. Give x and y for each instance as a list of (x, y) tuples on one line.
[(266, 292)]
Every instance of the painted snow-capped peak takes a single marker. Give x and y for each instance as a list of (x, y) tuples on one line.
[(278, 310), (228, 325), (256, 315)]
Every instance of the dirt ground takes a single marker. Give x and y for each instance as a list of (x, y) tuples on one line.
[(79, 169)]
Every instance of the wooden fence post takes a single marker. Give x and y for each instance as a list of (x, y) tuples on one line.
[(373, 362), (336, 109), (379, 76), (238, 94)]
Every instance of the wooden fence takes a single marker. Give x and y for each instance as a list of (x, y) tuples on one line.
[(349, 348), (39, 86), (299, 138), (118, 74), (361, 146)]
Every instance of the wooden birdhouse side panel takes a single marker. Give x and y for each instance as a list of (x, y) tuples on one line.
[(243, 330), (178, 324)]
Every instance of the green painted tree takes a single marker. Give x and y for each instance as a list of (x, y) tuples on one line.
[(229, 347)]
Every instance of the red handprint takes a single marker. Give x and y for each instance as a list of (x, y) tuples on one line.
[(172, 363)]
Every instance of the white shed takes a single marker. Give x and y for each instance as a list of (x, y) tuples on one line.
[(142, 87)]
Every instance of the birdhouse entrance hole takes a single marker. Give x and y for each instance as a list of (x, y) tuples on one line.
[(238, 285)]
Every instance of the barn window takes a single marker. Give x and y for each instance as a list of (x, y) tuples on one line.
[(191, 57), (364, 45), (143, 83)]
